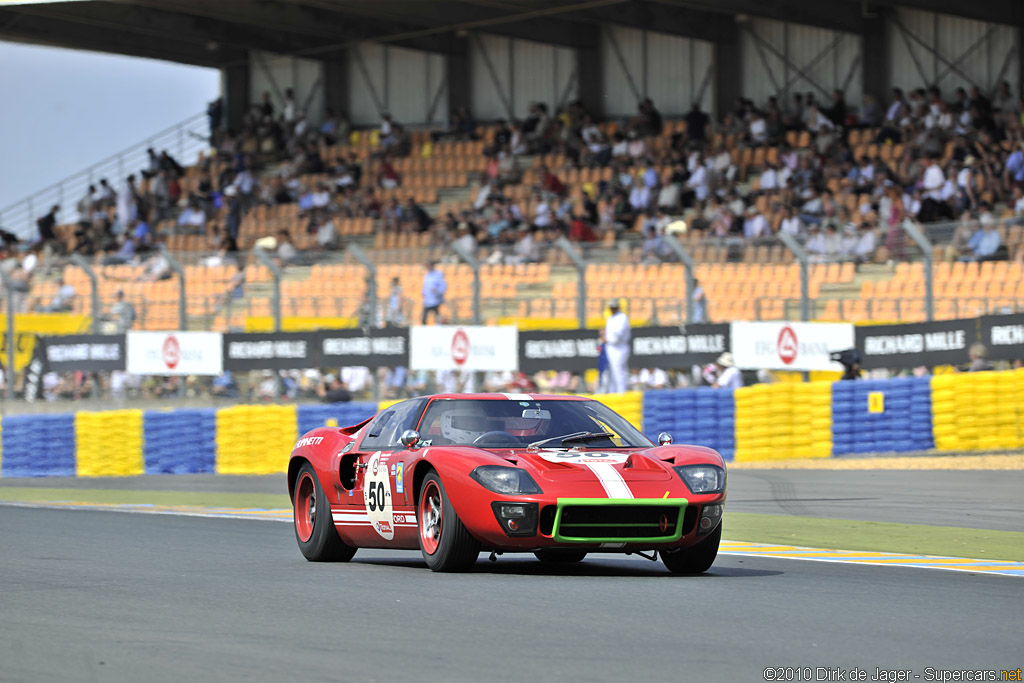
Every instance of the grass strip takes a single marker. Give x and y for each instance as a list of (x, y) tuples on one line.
[(270, 501), (845, 534)]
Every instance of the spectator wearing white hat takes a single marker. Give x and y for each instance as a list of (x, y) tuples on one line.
[(729, 376), (617, 335)]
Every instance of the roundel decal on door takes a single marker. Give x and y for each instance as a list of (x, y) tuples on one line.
[(377, 497), (788, 346)]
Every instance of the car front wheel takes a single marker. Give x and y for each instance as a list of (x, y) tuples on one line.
[(696, 559), (446, 544)]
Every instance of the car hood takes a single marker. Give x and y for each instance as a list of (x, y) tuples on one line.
[(561, 465)]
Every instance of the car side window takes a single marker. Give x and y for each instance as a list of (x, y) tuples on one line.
[(384, 432)]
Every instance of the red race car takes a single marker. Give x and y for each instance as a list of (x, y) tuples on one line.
[(558, 476)]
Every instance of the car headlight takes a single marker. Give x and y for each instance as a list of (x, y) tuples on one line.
[(505, 479), (702, 478)]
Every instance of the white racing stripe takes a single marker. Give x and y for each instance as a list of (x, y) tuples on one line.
[(614, 485), (518, 397)]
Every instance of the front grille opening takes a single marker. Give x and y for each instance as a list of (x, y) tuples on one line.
[(610, 521), (547, 520)]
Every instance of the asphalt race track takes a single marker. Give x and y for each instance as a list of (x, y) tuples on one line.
[(108, 596), (974, 499)]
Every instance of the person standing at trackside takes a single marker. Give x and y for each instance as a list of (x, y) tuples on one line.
[(617, 334), (729, 376), (434, 288)]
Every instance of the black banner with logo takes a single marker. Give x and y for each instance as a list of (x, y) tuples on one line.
[(572, 350), (655, 347), (86, 352), (270, 351), (378, 348), (943, 342), (1003, 336), (678, 347)]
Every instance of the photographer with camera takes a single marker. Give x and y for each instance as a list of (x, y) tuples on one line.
[(850, 360)]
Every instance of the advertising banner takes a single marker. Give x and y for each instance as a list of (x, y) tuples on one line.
[(909, 345), (175, 353), (789, 345), (454, 347), (1003, 336), (678, 347), (269, 351), (379, 348), (572, 350), (86, 352)]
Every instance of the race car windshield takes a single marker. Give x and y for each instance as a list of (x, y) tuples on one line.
[(516, 424)]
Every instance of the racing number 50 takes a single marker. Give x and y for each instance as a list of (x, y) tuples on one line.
[(375, 496)]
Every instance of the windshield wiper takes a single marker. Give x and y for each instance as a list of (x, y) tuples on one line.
[(575, 436)]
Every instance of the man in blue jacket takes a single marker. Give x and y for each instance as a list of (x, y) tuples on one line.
[(434, 288)]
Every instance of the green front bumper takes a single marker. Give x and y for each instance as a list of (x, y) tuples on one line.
[(609, 528)]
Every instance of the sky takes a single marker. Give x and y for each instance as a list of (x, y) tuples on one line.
[(64, 110)]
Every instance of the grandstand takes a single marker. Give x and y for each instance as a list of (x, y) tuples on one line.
[(581, 61)]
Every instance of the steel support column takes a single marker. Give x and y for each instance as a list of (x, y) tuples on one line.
[(929, 267), (473, 262), (264, 258), (687, 261), (94, 289), (581, 278)]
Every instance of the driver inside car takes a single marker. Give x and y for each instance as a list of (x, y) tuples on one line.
[(465, 424)]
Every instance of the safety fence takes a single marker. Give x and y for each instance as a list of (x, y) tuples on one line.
[(961, 412)]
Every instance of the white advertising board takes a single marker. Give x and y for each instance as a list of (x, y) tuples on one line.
[(175, 353), (785, 345), (455, 347)]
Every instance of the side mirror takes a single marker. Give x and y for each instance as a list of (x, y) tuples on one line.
[(409, 438), (664, 439)]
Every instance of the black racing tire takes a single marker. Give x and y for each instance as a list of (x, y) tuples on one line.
[(313, 523), (696, 559), (444, 541), (560, 555)]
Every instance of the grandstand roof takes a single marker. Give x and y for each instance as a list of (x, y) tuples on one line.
[(219, 33)]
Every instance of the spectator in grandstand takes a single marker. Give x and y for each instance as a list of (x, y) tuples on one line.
[(285, 252), (394, 313), (697, 124), (525, 249), (727, 375), (64, 300), (755, 225), (122, 313), (224, 386), (616, 337), (47, 225), (580, 230), (816, 246), (790, 223), (979, 361), (699, 302), (157, 267), (986, 244), (867, 242), (434, 289), (648, 122)]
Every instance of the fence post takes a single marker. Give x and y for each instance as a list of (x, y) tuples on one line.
[(9, 375), (261, 254), (684, 255), (801, 255), (176, 267), (929, 283), (581, 282), (473, 263), (371, 278), (84, 264)]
